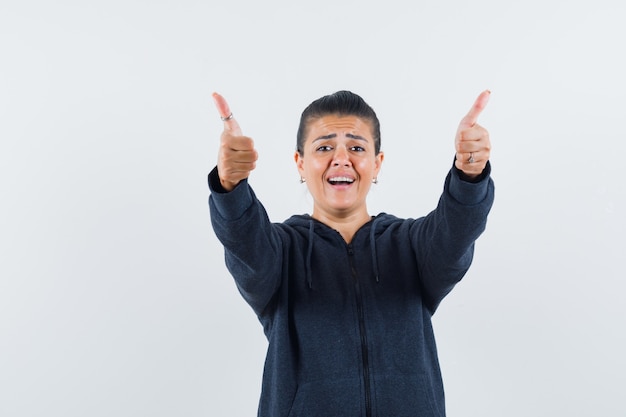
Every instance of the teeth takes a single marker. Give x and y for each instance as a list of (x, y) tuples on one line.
[(341, 179)]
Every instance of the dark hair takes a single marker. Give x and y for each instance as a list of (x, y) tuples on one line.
[(341, 103)]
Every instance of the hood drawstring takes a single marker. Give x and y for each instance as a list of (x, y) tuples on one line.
[(373, 248), (309, 254)]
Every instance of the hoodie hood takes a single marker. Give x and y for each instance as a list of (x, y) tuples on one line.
[(314, 229)]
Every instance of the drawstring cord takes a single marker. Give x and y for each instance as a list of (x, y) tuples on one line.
[(309, 254), (373, 248)]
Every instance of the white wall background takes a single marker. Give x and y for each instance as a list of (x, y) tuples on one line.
[(114, 298)]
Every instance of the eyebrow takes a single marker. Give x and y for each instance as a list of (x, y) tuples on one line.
[(334, 135)]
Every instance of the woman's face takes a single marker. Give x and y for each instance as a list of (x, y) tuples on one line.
[(338, 165)]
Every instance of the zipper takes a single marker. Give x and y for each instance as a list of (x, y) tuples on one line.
[(363, 334)]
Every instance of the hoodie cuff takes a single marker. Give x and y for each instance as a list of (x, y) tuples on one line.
[(230, 205), (466, 192)]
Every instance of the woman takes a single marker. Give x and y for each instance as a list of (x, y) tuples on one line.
[(346, 299)]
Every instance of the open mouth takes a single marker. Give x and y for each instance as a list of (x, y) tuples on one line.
[(340, 180)]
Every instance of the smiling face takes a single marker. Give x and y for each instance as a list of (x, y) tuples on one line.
[(339, 162)]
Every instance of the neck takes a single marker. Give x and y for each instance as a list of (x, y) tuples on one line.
[(347, 225)]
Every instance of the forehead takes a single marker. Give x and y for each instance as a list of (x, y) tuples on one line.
[(339, 125)]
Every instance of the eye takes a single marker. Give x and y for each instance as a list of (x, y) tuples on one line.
[(324, 148), (357, 148)]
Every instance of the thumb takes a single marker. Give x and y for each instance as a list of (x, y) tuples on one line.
[(230, 124), (471, 117)]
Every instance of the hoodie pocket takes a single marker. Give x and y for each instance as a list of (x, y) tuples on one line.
[(407, 396), (337, 398)]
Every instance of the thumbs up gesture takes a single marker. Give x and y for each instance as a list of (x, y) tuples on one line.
[(472, 140), (236, 156)]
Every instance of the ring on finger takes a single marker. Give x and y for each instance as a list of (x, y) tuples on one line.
[(224, 119), (471, 159)]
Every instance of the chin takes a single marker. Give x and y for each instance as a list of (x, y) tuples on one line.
[(346, 206)]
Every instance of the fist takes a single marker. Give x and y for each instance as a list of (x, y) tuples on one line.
[(472, 143), (236, 156)]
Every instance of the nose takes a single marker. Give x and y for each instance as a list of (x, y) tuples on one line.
[(341, 157)]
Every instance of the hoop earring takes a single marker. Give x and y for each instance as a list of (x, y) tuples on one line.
[(302, 180), (374, 180)]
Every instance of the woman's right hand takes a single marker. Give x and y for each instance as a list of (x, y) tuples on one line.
[(236, 156)]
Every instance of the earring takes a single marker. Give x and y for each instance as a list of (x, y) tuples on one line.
[(374, 180), (302, 180)]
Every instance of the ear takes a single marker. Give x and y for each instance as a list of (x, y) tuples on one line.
[(379, 161), (299, 163)]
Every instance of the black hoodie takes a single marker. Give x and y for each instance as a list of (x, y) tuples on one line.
[(349, 325)]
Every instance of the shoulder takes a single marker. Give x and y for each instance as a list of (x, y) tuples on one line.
[(388, 224)]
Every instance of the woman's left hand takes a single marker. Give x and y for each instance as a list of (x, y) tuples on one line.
[(472, 140)]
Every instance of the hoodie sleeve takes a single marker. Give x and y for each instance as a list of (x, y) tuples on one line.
[(252, 246), (445, 238)]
